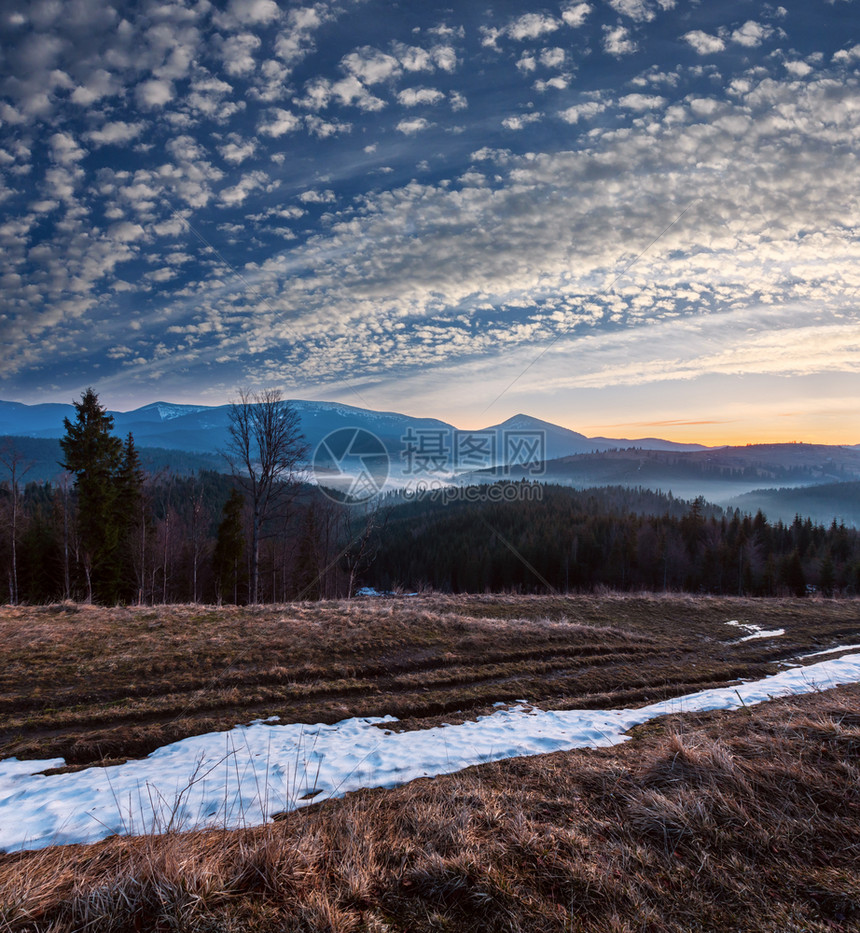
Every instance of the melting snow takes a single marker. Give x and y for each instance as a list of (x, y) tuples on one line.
[(244, 776), (815, 654), (756, 631)]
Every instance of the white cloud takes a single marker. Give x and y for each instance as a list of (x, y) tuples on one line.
[(582, 111), (444, 31), (237, 53), (751, 34), (253, 11), (351, 91), (617, 41), (126, 232), (280, 122), (65, 149), (317, 197), (238, 149), (117, 132), (99, 84), (705, 106), (154, 93), (575, 14), (444, 57), (522, 121), (322, 129), (704, 43), (532, 26), (410, 127), (846, 56), (296, 41), (370, 65), (526, 63), (415, 96), (236, 194), (638, 10), (798, 69), (458, 101), (642, 101), (490, 36), (43, 206), (413, 58), (348, 91), (552, 58), (557, 83)]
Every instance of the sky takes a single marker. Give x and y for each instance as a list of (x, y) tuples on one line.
[(630, 217)]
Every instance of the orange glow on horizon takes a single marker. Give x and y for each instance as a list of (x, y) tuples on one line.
[(725, 434)]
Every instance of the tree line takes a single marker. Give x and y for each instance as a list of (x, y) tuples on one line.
[(109, 532), (106, 531), (612, 537)]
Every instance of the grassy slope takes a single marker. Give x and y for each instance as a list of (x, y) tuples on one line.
[(746, 821), (89, 683)]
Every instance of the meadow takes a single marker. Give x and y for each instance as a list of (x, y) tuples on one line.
[(717, 821)]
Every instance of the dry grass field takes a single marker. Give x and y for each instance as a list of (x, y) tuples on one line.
[(714, 823), (90, 683), (718, 822)]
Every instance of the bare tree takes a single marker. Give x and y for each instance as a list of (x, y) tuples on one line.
[(361, 524), (200, 519), (64, 482), (266, 451), (13, 460)]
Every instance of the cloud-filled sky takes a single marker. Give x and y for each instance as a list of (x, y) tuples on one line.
[(632, 217)]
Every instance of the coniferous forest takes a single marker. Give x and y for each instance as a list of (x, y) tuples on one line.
[(110, 533)]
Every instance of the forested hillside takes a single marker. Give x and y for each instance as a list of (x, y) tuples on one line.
[(110, 531), (820, 503), (615, 537), (42, 455)]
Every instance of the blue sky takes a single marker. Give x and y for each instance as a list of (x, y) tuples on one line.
[(642, 213)]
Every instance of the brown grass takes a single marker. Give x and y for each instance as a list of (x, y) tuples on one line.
[(718, 822), (90, 684)]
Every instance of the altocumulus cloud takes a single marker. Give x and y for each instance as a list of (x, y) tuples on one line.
[(201, 196)]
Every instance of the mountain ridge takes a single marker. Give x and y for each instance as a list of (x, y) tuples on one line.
[(203, 428)]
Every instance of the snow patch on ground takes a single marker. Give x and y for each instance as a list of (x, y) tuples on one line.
[(244, 776), (815, 654), (756, 631)]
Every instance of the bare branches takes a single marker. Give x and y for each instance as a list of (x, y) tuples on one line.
[(266, 451), (13, 460)]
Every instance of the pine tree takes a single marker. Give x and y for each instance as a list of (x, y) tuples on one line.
[(307, 562), (229, 549), (131, 524), (93, 455), (791, 574), (827, 576)]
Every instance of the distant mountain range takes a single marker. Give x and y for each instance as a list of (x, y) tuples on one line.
[(720, 474), (203, 429), (186, 438)]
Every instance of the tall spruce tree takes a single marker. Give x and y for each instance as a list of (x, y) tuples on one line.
[(94, 455), (131, 522), (308, 562)]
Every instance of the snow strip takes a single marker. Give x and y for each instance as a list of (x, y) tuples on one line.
[(244, 776), (756, 630), (815, 654)]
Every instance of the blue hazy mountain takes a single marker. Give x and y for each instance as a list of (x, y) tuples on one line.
[(203, 429)]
